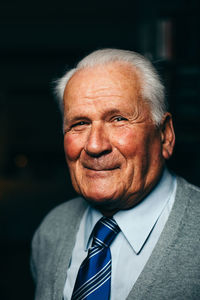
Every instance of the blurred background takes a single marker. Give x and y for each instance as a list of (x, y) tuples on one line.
[(39, 40)]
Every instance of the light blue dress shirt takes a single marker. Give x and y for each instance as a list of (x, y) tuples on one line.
[(140, 227)]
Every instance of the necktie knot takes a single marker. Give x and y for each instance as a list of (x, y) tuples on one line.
[(105, 231)]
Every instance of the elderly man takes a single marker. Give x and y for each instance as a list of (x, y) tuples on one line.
[(133, 233)]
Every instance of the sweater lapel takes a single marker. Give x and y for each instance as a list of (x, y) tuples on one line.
[(153, 268), (67, 245)]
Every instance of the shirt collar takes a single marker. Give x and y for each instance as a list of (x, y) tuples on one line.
[(137, 223)]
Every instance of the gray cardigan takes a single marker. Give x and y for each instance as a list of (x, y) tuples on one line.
[(172, 271)]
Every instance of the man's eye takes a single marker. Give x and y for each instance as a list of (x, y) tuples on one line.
[(118, 119), (78, 124), (81, 123)]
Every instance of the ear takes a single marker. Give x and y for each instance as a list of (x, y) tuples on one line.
[(167, 136)]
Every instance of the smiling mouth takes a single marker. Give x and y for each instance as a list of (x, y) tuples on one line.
[(100, 165), (102, 169), (93, 173)]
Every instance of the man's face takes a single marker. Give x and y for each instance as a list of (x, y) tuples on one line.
[(113, 149)]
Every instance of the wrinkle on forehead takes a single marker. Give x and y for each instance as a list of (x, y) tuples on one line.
[(120, 75), (98, 93)]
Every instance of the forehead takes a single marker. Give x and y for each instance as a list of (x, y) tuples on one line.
[(113, 79)]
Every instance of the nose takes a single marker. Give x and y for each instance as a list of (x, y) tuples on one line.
[(98, 142)]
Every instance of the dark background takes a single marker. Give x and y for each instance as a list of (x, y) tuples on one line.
[(38, 40)]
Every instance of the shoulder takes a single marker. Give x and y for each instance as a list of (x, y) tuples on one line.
[(187, 190), (63, 216), (187, 203), (59, 222), (58, 228), (65, 211)]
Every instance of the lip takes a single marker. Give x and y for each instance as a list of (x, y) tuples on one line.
[(97, 165), (99, 169), (100, 173)]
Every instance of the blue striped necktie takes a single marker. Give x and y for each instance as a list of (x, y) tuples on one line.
[(94, 276)]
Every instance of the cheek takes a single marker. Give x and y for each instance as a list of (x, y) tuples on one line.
[(72, 147), (134, 143), (127, 143)]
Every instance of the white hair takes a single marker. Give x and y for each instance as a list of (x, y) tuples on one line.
[(152, 90)]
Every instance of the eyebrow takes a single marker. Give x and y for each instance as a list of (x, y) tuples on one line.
[(74, 119), (112, 112)]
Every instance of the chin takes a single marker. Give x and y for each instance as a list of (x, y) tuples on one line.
[(104, 203), (99, 198), (107, 206)]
